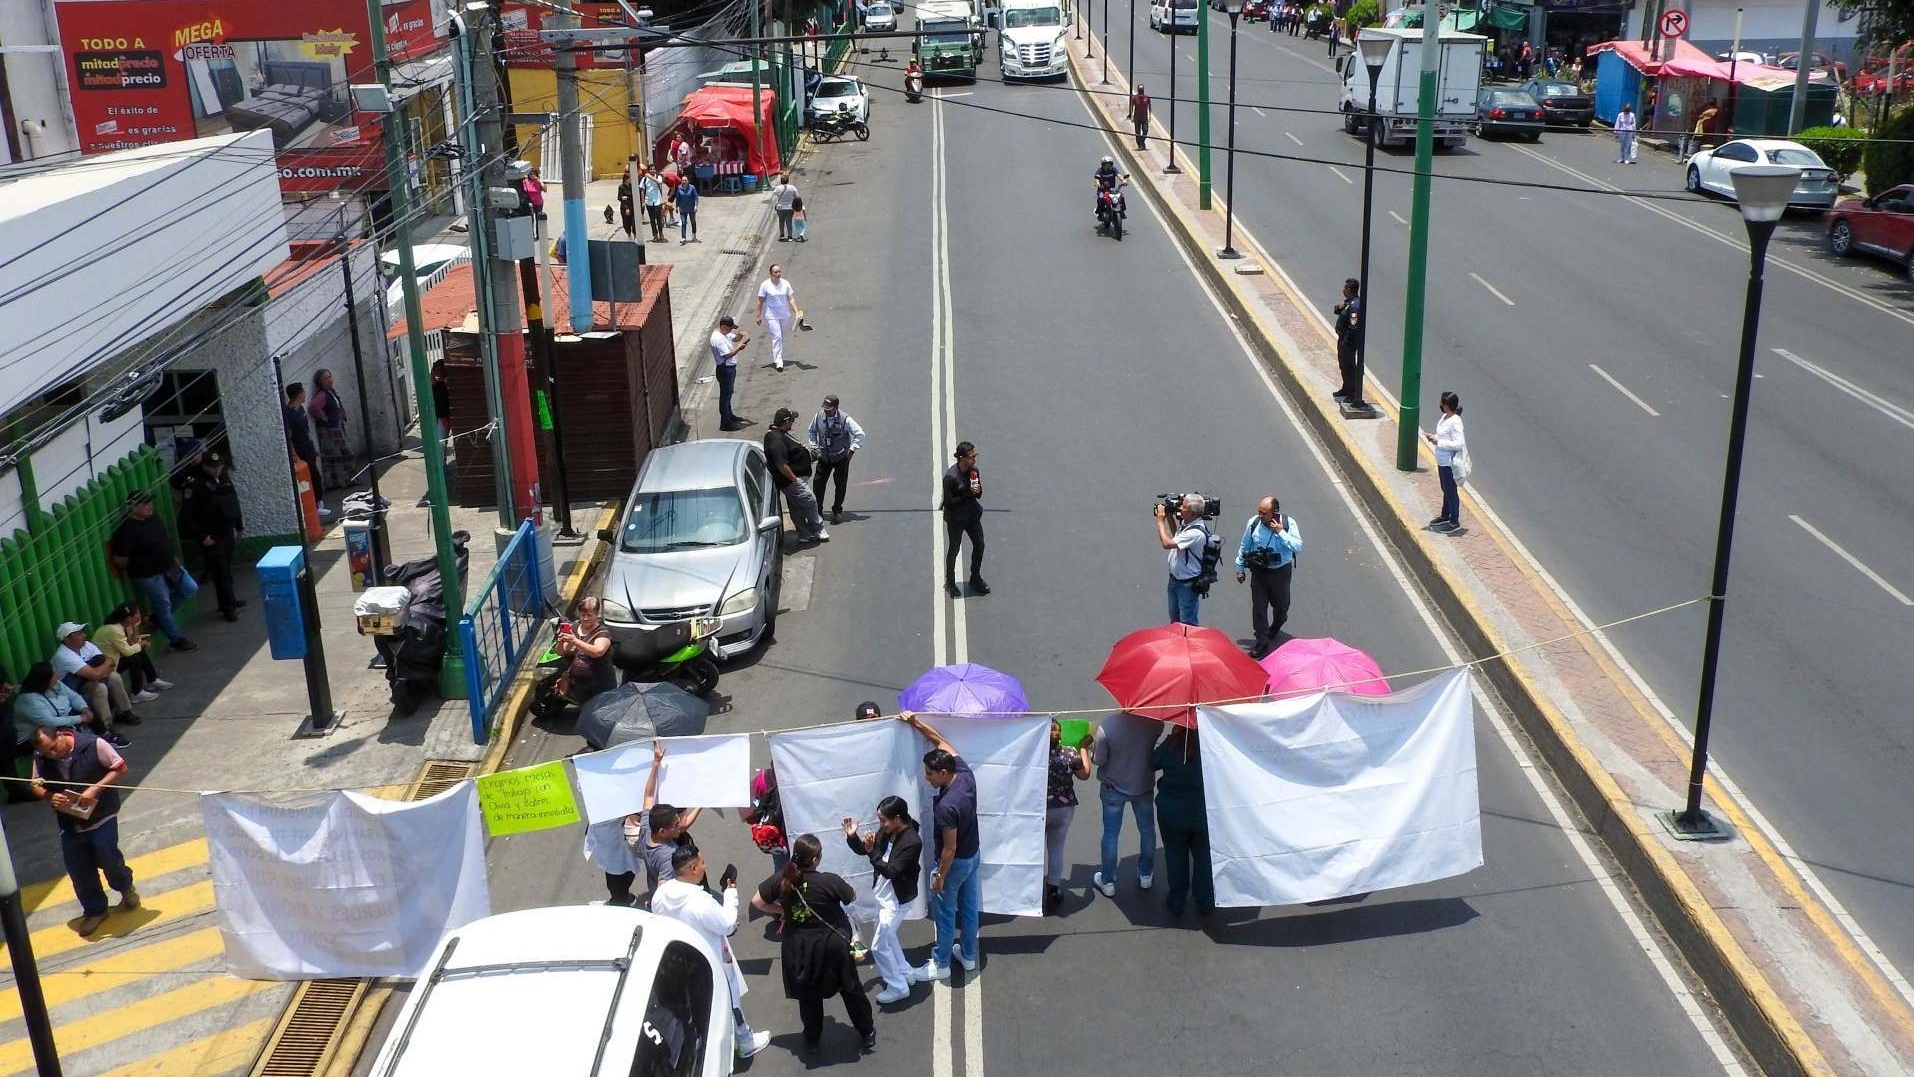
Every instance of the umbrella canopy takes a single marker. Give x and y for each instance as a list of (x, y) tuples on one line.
[(1302, 666), (641, 711), (966, 688), (1164, 672)]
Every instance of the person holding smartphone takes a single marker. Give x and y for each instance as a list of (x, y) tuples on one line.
[(683, 897)]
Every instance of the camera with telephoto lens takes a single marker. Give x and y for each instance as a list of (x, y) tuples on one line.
[(1259, 559), (1173, 505)]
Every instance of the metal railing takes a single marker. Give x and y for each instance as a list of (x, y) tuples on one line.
[(498, 628)]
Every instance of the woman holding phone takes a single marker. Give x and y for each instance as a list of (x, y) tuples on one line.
[(896, 853)]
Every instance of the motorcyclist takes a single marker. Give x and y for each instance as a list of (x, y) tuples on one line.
[(913, 78), (1108, 178)]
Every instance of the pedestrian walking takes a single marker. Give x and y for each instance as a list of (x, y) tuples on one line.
[(1186, 543), (1267, 557), (1140, 114), (837, 437), (669, 176), (727, 340), (123, 639), (964, 518), (299, 442), (684, 898), (142, 549), (1068, 764), (86, 669), (1186, 830), (956, 892), (651, 191), (790, 461), (896, 851), (75, 771), (210, 520), (1350, 331), (1450, 443), (784, 199), (777, 299), (658, 830), (1121, 750), (1625, 129), (686, 196), (815, 941), (1527, 61), (800, 222), (328, 412), (627, 209)]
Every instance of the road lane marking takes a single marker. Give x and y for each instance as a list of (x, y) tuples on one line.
[(965, 93), (16, 1056), (1292, 138), (125, 967), (1886, 407), (1493, 290), (1859, 566), (1398, 217), (1342, 177), (168, 907), (151, 865), (1623, 389), (221, 1052), (1259, 112)]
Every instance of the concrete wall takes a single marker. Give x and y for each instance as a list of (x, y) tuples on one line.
[(307, 328), (601, 95), (80, 452), (249, 402), (36, 82), (1772, 26)]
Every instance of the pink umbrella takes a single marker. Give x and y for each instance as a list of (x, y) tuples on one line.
[(1302, 666)]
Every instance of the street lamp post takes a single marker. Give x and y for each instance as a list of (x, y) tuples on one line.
[(1229, 250), (1129, 35), (1169, 32), (1762, 192), (26, 972), (1374, 51), (1106, 43)]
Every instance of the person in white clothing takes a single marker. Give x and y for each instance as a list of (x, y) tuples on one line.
[(1448, 440), (896, 853), (684, 899), (1625, 130), (777, 300), (605, 846)]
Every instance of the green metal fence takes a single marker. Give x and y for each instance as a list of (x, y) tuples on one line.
[(57, 569)]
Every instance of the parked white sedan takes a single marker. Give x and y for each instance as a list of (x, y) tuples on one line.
[(1709, 170)]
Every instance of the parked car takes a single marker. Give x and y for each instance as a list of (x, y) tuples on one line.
[(1257, 10), (840, 93), (1743, 57), (701, 537), (430, 263), (1822, 66), (1872, 80), (1563, 103), (1708, 170), (1882, 225), (1174, 16), (1500, 111)]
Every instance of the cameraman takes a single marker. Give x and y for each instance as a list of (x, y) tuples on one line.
[(1186, 554), (1266, 555)]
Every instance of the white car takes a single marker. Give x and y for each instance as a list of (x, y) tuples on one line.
[(430, 263), (880, 17), (1174, 16), (1709, 170), (841, 93)]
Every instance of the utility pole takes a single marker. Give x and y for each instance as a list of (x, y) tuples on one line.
[(26, 972), (571, 149), (1202, 102), (757, 82), (399, 197), (1804, 64), (377, 523), (1409, 433)]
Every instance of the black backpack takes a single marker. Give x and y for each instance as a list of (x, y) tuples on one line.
[(1212, 556)]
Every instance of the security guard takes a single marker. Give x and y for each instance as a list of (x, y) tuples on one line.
[(209, 520), (1349, 333)]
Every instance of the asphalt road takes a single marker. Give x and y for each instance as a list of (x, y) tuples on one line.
[(1094, 376), (1593, 339)]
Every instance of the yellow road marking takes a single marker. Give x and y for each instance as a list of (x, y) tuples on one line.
[(125, 967), (189, 900), (209, 1056), (146, 866), (17, 1056)]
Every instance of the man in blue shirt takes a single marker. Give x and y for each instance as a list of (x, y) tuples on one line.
[(1265, 557), (956, 891)]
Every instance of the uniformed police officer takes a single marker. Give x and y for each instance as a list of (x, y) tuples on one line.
[(1349, 333), (209, 519)]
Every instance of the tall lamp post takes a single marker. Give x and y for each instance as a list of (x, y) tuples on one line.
[(1762, 192), (1228, 251), (1129, 35), (1374, 51), (1169, 33), (1106, 41)]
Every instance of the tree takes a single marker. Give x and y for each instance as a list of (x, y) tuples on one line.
[(1364, 13), (1883, 23), (1889, 160)]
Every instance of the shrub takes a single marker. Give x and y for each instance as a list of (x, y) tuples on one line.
[(1840, 147), (1365, 13), (1889, 159)]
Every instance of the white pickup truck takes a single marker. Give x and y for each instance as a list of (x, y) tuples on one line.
[(1398, 83), (1030, 39)]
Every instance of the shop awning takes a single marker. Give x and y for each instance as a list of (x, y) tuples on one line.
[(1507, 17)]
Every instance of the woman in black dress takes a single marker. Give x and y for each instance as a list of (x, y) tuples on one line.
[(816, 941)]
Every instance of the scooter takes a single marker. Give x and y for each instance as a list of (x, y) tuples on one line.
[(1110, 212), (681, 652), (914, 88), (414, 651)]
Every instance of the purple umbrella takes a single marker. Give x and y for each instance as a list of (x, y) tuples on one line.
[(967, 689)]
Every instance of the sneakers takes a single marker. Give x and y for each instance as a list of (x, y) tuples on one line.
[(951, 590), (87, 925), (129, 718), (978, 586), (325, 513), (837, 515), (145, 696), (1143, 881), (160, 684), (968, 961), (823, 535), (184, 644), (870, 1038), (754, 1043), (117, 741), (129, 900), (925, 973), (1107, 886), (893, 994)]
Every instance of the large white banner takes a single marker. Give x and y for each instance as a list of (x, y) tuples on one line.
[(1335, 794), (340, 884), (700, 772), (1011, 758)]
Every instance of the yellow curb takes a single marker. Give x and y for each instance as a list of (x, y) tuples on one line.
[(1766, 1025)]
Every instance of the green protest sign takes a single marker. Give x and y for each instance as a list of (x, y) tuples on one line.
[(1074, 730), (535, 798)]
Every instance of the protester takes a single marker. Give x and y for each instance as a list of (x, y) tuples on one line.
[(1625, 130), (766, 819), (1350, 329), (658, 830), (784, 199), (790, 461), (22, 763), (1186, 830), (727, 340), (815, 943), (442, 402), (299, 441), (1449, 441), (867, 711), (777, 298), (1067, 765), (209, 518), (328, 413), (683, 897), (75, 772), (1185, 544), (605, 846), (956, 890), (87, 670), (963, 518), (837, 437), (1121, 750), (1704, 123), (685, 196), (1266, 555), (141, 548), (122, 638), (896, 851)]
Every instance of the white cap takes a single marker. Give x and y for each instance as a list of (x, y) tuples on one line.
[(69, 628)]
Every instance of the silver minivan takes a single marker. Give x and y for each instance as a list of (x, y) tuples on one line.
[(701, 536)]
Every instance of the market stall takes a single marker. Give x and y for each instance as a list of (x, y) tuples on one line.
[(1670, 89), (725, 138)]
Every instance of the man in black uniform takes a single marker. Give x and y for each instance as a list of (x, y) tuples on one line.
[(209, 519), (1349, 332), (964, 515)]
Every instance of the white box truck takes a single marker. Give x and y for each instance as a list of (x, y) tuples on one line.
[(1398, 83), (1031, 39)]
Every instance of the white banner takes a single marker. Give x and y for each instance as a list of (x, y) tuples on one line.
[(340, 884), (1334, 794), (700, 772), (1011, 759)]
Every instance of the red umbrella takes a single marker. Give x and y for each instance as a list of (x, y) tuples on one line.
[(1164, 672)]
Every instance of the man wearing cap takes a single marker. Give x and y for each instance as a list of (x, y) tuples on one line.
[(209, 519), (837, 437), (790, 461), (144, 552), (86, 669)]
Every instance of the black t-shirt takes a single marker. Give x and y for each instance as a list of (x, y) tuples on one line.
[(819, 903), (781, 448), (145, 546)]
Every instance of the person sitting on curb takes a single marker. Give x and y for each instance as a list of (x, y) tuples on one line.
[(123, 639), (87, 670)]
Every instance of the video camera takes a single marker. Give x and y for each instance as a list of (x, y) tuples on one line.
[(1173, 504)]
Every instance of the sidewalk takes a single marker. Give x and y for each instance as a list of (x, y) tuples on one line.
[(1803, 993)]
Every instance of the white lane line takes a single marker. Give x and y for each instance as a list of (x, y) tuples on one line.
[(1292, 138), (1399, 218), (1259, 112), (1493, 290), (940, 1064), (1650, 946), (938, 630), (1886, 407), (1623, 389), (966, 93), (1899, 595), (1342, 177)]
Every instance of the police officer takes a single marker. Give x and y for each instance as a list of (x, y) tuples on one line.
[(1349, 333), (209, 519)]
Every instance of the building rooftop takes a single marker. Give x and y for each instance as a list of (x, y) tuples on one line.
[(451, 303)]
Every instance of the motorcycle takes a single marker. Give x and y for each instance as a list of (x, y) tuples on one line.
[(416, 647), (914, 87), (681, 652), (1110, 212), (831, 126)]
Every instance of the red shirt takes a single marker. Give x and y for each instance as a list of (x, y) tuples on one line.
[(1139, 106)]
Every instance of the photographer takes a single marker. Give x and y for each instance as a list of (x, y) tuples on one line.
[(1186, 545), (1265, 556)]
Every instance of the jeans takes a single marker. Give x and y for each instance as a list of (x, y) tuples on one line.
[(1268, 603), (954, 533), (1142, 126), (1451, 504), (803, 506), (90, 854), (1056, 827), (727, 380), (163, 596), (956, 909), (1186, 856), (827, 470), (687, 223), (1143, 806), (1183, 601)]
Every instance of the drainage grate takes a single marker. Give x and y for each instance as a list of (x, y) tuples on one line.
[(309, 1030), (438, 776)]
